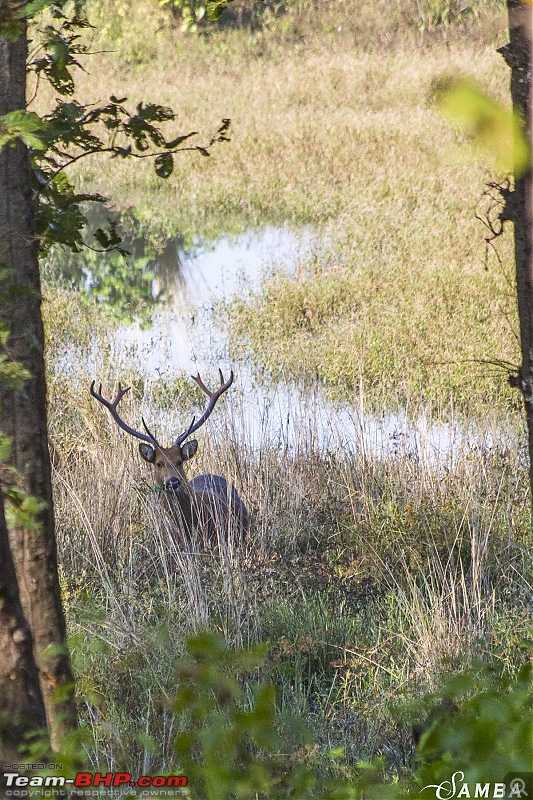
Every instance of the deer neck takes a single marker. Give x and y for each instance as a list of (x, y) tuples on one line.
[(186, 506)]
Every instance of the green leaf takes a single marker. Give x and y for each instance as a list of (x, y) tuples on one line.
[(24, 125), (31, 9), (215, 9), (12, 373), (187, 23), (164, 164), (22, 510), (494, 128)]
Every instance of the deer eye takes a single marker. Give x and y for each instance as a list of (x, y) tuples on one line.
[(159, 464)]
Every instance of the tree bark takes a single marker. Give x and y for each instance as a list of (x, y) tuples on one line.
[(23, 412), (519, 202), (21, 702)]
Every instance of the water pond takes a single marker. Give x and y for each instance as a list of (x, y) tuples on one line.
[(178, 286)]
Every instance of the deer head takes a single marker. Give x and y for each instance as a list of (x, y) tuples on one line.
[(167, 461)]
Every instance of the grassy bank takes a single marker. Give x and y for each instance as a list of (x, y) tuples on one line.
[(368, 579), (322, 127), (393, 333)]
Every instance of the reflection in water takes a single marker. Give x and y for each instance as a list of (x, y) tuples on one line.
[(182, 334), (135, 278)]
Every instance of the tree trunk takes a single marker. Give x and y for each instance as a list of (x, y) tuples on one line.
[(23, 412), (519, 203), (21, 702)]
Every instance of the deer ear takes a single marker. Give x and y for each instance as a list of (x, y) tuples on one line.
[(189, 449), (147, 452)]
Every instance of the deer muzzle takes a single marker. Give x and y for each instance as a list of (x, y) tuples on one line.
[(174, 484)]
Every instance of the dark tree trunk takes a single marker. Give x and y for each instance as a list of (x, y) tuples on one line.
[(519, 203), (23, 413), (21, 702)]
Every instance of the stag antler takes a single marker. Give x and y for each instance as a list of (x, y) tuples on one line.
[(213, 397), (112, 408)]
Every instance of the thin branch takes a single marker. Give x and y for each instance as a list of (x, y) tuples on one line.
[(34, 95), (114, 150), (508, 366), (97, 52)]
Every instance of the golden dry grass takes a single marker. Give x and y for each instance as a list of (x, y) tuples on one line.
[(324, 130)]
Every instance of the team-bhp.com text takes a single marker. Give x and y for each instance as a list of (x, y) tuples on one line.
[(14, 780)]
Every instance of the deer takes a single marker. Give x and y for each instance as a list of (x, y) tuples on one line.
[(207, 503)]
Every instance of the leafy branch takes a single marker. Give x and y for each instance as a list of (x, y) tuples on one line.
[(72, 131)]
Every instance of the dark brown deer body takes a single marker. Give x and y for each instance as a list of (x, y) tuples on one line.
[(207, 503)]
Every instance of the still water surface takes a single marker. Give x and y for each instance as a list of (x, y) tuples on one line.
[(183, 334)]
